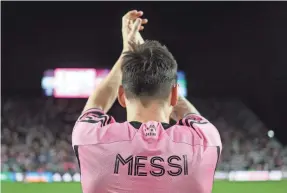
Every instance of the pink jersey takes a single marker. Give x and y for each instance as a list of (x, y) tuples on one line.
[(152, 157)]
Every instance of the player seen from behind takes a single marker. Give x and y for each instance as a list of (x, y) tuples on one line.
[(145, 154)]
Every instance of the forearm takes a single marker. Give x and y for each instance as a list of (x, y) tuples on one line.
[(182, 108), (105, 94)]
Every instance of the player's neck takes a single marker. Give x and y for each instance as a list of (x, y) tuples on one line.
[(142, 114)]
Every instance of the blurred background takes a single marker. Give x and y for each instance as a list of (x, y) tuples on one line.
[(232, 60)]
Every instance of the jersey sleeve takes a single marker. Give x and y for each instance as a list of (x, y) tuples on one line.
[(203, 128), (85, 129)]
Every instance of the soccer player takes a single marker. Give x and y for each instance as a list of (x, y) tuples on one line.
[(145, 154)]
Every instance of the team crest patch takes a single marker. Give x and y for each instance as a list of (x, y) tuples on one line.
[(150, 130)]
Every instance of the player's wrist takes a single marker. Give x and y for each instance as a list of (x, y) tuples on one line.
[(128, 46), (124, 50)]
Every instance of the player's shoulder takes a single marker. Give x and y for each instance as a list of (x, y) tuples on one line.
[(94, 126), (201, 127)]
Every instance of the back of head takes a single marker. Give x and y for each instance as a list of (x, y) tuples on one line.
[(149, 72)]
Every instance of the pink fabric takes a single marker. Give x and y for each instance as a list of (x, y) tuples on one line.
[(118, 158)]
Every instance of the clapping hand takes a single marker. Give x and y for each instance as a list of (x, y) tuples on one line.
[(132, 24)]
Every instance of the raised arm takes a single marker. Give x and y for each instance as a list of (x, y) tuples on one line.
[(182, 108), (105, 94)]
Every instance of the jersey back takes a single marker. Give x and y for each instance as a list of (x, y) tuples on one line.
[(145, 157)]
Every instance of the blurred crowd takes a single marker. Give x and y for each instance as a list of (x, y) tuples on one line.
[(36, 135)]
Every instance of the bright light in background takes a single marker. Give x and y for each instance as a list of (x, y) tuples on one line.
[(80, 82), (74, 82), (270, 133)]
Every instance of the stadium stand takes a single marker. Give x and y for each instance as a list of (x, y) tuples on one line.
[(36, 135)]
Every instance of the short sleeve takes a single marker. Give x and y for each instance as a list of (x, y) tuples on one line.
[(203, 127), (88, 123)]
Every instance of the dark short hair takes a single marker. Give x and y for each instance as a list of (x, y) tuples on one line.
[(149, 71)]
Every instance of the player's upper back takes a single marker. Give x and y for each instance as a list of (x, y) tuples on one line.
[(145, 157)]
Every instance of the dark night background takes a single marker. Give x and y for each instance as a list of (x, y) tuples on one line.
[(227, 49)]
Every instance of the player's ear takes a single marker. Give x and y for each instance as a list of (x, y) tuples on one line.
[(121, 96), (174, 95)]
